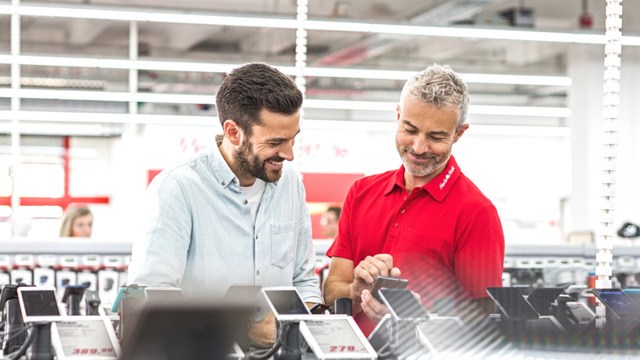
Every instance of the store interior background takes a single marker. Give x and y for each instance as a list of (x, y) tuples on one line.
[(542, 177)]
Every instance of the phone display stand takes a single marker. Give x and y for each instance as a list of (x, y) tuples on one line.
[(41, 345), (13, 325)]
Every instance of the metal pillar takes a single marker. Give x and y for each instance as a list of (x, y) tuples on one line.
[(301, 64), (15, 108), (606, 232)]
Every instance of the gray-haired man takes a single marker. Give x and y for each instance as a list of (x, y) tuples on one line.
[(426, 218)]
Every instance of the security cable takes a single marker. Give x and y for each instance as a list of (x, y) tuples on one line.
[(23, 349), (265, 354)]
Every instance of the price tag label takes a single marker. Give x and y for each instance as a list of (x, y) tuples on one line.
[(336, 337), (85, 338)]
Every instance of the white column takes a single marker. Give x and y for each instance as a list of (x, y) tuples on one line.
[(301, 64), (15, 108), (133, 73)]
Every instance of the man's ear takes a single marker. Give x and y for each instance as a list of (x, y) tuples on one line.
[(460, 132), (233, 132)]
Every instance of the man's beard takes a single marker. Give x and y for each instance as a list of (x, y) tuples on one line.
[(250, 164), (421, 169)]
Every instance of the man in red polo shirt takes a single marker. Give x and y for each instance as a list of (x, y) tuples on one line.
[(426, 222)]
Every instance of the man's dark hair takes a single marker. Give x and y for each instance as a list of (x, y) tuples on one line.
[(336, 210), (253, 87)]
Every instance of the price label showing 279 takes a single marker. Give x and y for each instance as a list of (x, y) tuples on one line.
[(92, 351)]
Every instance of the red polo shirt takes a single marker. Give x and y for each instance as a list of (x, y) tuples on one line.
[(445, 237)]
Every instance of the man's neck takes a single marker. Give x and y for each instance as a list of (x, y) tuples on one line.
[(412, 181), (227, 154)]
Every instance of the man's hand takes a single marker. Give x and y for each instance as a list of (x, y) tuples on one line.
[(264, 331), (376, 310), (368, 271), (372, 307)]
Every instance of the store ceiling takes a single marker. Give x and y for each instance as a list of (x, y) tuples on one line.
[(223, 44)]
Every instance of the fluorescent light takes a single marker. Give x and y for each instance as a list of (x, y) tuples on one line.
[(349, 125), (308, 103), (519, 130), (311, 71), (110, 118), (108, 96), (130, 14), (124, 14), (520, 111), (349, 105), (105, 118)]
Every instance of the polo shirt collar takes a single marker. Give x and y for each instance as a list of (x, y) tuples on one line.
[(439, 187), (222, 171)]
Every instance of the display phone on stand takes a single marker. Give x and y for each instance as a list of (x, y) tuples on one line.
[(387, 283), (319, 309)]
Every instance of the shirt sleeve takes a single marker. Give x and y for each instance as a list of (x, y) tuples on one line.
[(159, 257), (304, 277), (341, 246), (479, 257)]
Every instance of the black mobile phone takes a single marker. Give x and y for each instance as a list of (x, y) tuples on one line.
[(387, 283), (618, 302), (403, 305), (319, 308)]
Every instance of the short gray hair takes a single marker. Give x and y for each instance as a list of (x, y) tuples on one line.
[(440, 86)]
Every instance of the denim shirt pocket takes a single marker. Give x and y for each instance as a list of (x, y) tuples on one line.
[(282, 244)]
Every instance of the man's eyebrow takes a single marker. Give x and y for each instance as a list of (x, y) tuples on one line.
[(406, 122), (281, 139)]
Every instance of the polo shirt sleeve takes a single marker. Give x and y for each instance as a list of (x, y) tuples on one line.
[(479, 256), (159, 256), (304, 277), (341, 246)]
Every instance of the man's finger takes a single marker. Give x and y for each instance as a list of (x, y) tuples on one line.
[(360, 273), (386, 258), (395, 273), (380, 265)]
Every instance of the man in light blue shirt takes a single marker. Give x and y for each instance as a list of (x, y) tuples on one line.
[(236, 213)]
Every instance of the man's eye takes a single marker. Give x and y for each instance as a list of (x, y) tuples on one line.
[(275, 144), (410, 131)]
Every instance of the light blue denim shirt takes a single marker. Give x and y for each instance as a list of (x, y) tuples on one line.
[(200, 235)]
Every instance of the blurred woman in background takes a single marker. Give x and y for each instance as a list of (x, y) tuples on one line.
[(76, 222)]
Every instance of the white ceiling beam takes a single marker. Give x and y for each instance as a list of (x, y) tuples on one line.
[(204, 18)]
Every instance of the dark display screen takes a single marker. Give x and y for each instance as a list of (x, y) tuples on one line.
[(512, 303), (403, 304), (620, 304), (287, 302), (40, 303), (634, 295)]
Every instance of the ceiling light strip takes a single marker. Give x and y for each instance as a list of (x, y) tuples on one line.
[(128, 14), (106, 118), (290, 70), (308, 103)]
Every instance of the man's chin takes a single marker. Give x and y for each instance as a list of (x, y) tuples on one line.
[(272, 176)]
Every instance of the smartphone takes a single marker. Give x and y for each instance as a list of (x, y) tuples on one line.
[(618, 302), (403, 305), (387, 283), (319, 309)]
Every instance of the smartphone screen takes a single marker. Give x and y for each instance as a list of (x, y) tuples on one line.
[(616, 300), (403, 304), (512, 303), (287, 302), (40, 303)]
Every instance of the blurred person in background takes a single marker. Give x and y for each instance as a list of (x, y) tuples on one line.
[(329, 222), (76, 222), (235, 213), (425, 222)]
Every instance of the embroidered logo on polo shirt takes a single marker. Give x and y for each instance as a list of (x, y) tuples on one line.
[(446, 178)]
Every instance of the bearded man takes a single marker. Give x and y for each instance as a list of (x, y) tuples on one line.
[(235, 213), (426, 222)]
